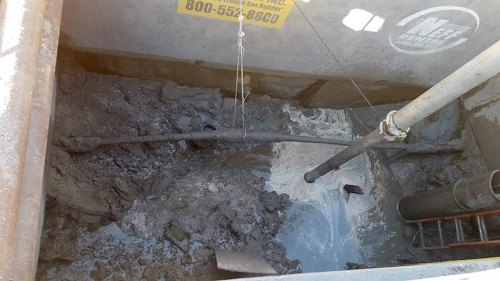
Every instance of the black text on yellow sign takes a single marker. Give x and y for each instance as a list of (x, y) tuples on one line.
[(269, 13)]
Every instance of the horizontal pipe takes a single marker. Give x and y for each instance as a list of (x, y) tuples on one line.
[(466, 195), (85, 144), (464, 79)]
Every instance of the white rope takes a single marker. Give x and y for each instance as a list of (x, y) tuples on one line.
[(239, 71)]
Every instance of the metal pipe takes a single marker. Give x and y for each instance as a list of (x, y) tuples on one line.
[(345, 155), (464, 79), (86, 144), (466, 195), (20, 41), (31, 208)]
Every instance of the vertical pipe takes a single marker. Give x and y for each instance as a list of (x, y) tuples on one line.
[(464, 79), (31, 208), (20, 40)]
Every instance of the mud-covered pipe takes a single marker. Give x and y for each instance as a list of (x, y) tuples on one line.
[(31, 207), (21, 24), (466, 195), (87, 144), (464, 79)]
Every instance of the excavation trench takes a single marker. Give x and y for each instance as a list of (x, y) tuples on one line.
[(129, 198)]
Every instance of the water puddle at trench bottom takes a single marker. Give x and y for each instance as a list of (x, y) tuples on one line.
[(324, 226)]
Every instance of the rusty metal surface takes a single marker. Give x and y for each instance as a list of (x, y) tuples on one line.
[(475, 244), (21, 32), (462, 241), (480, 213), (31, 208)]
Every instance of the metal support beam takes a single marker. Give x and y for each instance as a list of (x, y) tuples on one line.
[(21, 28), (31, 207), (21, 32), (464, 79)]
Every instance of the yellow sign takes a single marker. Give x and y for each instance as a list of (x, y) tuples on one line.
[(269, 13)]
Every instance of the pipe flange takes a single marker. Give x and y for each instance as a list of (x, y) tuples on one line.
[(389, 130)]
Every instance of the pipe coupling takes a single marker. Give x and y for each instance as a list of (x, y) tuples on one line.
[(389, 130)]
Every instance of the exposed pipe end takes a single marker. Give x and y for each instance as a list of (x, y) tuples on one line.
[(309, 178), (322, 169)]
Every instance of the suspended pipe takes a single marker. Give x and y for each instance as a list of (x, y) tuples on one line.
[(464, 79), (465, 196), (86, 144), (21, 24)]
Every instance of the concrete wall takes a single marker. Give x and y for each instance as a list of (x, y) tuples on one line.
[(310, 91), (483, 112), (153, 28)]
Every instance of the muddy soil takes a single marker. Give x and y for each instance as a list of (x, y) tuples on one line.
[(401, 174), (156, 211)]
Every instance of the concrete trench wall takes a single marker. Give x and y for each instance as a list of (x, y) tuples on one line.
[(449, 33), (415, 45), (311, 91), (482, 107)]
